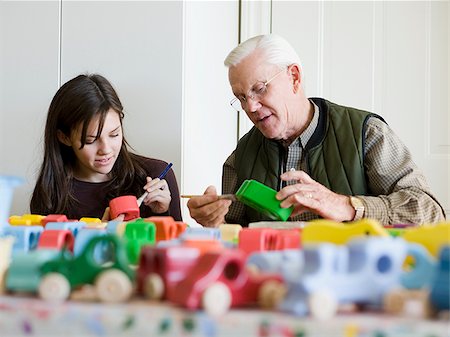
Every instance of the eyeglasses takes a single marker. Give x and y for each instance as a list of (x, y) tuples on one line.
[(257, 92)]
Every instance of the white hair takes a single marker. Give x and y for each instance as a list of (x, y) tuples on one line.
[(277, 51)]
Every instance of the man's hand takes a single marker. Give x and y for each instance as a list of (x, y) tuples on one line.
[(208, 210), (308, 195)]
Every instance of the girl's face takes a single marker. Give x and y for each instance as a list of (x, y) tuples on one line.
[(96, 159)]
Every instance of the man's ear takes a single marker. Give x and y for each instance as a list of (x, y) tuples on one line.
[(296, 76), (63, 138)]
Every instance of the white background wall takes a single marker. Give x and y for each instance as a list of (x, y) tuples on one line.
[(166, 61), (164, 58), (28, 80)]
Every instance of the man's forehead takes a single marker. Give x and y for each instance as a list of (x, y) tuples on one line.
[(248, 72)]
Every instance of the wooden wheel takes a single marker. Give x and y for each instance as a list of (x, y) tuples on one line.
[(216, 299), (322, 304), (54, 287), (154, 286), (271, 293), (113, 285)]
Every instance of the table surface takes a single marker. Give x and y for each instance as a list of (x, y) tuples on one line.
[(28, 316)]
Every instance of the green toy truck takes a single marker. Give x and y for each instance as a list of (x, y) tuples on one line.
[(54, 274)]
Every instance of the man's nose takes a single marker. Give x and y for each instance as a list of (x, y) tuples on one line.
[(253, 104)]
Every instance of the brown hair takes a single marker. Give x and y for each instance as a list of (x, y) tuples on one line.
[(77, 102)]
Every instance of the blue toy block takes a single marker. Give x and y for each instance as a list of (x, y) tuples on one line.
[(421, 273), (73, 226), (440, 287), (201, 233), (26, 238), (102, 252), (7, 185), (169, 243), (229, 244), (289, 262), (111, 227)]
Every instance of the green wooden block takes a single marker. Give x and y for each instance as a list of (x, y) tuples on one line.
[(394, 232), (137, 234), (262, 198)]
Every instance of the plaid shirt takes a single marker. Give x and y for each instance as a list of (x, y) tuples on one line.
[(401, 191)]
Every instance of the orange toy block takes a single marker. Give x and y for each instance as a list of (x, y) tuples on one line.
[(166, 227)]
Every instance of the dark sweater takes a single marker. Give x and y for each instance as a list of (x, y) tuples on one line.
[(92, 199)]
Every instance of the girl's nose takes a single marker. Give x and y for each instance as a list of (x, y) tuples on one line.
[(104, 146)]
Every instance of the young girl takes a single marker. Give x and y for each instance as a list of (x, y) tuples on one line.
[(86, 160)]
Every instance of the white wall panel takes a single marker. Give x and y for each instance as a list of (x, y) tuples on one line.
[(209, 122), (404, 77), (28, 79), (439, 91), (347, 49), (137, 46), (255, 19), (301, 23)]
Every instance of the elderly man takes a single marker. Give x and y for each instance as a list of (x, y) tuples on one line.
[(325, 160)]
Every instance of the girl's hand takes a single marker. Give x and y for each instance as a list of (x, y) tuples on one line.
[(106, 216), (158, 198)]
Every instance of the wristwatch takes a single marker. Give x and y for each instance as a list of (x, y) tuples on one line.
[(358, 206)]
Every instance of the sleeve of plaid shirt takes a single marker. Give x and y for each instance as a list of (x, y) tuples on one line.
[(401, 193)]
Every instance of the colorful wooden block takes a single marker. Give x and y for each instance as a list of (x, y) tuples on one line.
[(340, 233), (56, 239), (126, 205), (262, 198)]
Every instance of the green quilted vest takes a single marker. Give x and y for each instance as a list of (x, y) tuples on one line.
[(334, 154)]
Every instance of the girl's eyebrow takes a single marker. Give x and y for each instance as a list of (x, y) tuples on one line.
[(95, 136), (115, 130)]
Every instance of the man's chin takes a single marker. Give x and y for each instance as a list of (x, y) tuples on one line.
[(270, 134)]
